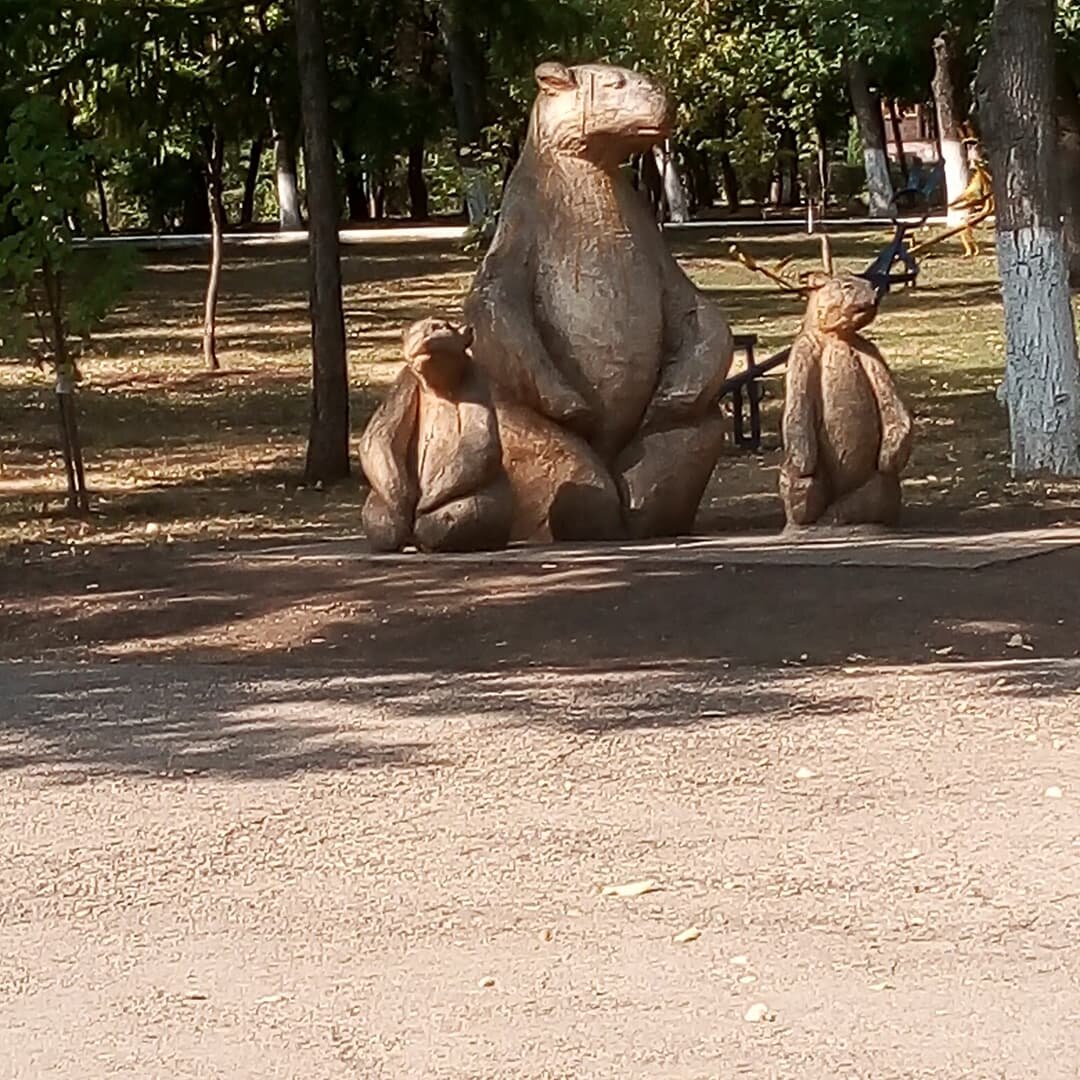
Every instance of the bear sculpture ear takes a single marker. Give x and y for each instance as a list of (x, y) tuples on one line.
[(553, 77), (815, 279)]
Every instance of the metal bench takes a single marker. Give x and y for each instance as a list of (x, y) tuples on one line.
[(746, 391)]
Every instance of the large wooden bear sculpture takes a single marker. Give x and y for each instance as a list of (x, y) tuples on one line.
[(847, 434), (605, 360), (431, 452)]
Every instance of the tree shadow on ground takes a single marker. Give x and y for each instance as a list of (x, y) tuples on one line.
[(328, 666), (178, 720)]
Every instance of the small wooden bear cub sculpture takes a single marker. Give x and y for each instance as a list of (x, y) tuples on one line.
[(432, 453), (847, 434)]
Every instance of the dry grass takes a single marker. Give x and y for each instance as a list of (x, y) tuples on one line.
[(172, 452)]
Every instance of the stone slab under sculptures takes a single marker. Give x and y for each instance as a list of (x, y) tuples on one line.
[(432, 452), (847, 433), (605, 361)]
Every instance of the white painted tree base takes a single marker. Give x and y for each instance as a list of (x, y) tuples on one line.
[(1042, 376), (956, 177), (288, 201), (674, 193), (479, 198), (879, 187)]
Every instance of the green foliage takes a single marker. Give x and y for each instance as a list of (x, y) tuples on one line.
[(51, 289)]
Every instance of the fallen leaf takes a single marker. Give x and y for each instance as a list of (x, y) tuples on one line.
[(947, 651), (271, 999), (631, 888), (804, 773), (691, 933), (1053, 792), (487, 981)]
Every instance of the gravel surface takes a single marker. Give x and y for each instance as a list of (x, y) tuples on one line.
[(264, 870)]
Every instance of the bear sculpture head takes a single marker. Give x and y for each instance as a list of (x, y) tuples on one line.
[(437, 352), (598, 112), (840, 306)]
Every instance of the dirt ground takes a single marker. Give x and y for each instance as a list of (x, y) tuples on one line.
[(353, 818)]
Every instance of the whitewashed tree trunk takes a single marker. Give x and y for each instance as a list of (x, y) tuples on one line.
[(287, 188), (479, 199), (675, 198), (952, 148), (1042, 374), (1015, 88), (871, 123)]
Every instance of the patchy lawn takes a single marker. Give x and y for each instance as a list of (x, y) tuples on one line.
[(173, 452)]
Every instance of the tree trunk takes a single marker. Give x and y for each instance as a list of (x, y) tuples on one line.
[(702, 186), (651, 185), (730, 181), (418, 189), (78, 498), (466, 63), (822, 149), (356, 192), (196, 212), (1068, 115), (676, 206), (378, 194), (787, 165), (1015, 88), (871, 123), (898, 140), (288, 191), (328, 440), (251, 181), (214, 193), (103, 199), (948, 123), (356, 196)]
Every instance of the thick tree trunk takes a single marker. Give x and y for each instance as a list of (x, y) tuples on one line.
[(871, 123), (466, 65), (898, 139), (196, 212), (1068, 115), (787, 167), (1015, 88), (356, 189), (214, 194), (729, 178), (418, 189), (356, 196), (651, 184), (699, 175), (328, 440), (251, 181), (948, 123), (288, 190), (677, 207)]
